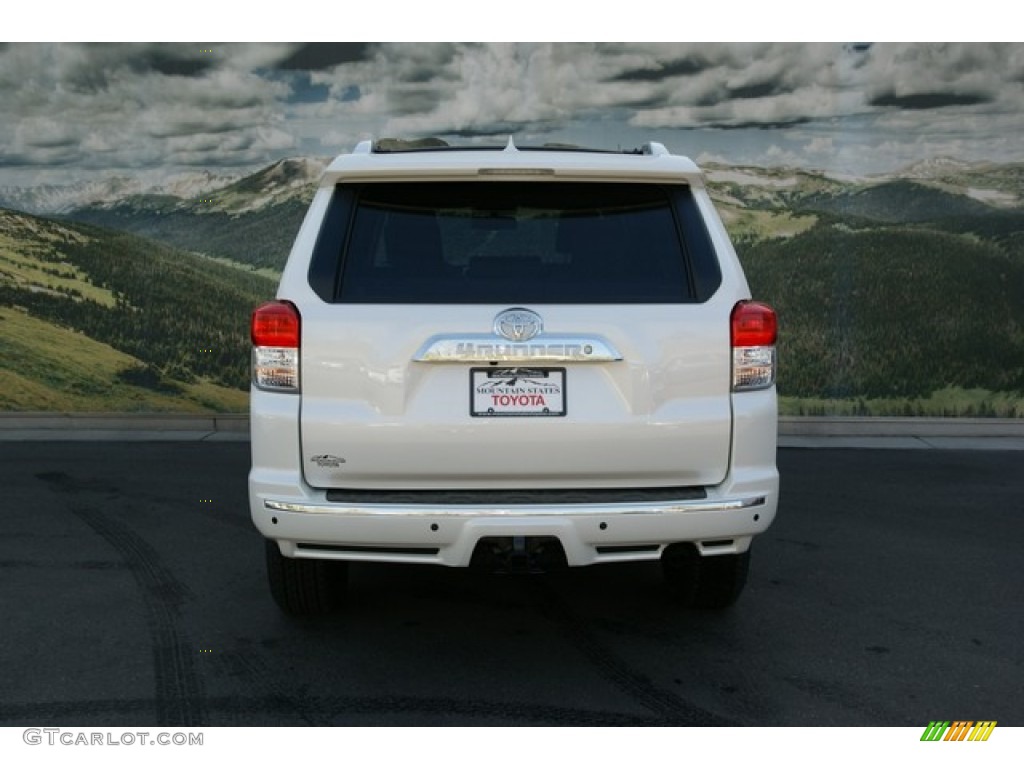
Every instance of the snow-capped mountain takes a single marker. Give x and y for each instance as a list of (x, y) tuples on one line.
[(64, 198), (252, 219), (188, 185), (61, 198), (236, 192), (291, 178), (936, 168)]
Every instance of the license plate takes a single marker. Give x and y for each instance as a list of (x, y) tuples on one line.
[(517, 391)]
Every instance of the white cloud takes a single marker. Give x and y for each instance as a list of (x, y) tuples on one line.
[(820, 145), (160, 106)]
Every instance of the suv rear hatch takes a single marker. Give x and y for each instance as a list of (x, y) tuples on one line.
[(514, 334)]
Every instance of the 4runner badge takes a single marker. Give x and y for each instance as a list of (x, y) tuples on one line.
[(326, 460), (518, 324)]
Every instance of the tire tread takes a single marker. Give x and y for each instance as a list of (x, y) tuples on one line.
[(305, 587), (709, 582)]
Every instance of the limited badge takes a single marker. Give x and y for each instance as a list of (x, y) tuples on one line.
[(327, 460)]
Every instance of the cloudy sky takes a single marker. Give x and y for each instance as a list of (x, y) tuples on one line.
[(75, 110)]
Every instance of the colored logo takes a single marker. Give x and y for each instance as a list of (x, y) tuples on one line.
[(958, 730)]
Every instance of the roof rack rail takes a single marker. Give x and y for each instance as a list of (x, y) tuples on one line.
[(409, 145), (433, 143)]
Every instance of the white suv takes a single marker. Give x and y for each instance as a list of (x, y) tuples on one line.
[(513, 358)]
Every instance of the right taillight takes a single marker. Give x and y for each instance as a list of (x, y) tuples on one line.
[(275, 331), (754, 331)]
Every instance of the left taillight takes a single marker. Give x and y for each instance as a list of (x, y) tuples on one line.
[(275, 331), (754, 331)]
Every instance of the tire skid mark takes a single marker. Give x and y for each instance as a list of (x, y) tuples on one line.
[(669, 708), (179, 699), (65, 483), (178, 689)]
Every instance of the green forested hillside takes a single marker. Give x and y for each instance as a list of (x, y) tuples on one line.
[(52, 368), (184, 318), (899, 201), (257, 238), (891, 311), (899, 296)]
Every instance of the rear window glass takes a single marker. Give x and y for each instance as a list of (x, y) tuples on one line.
[(518, 242)]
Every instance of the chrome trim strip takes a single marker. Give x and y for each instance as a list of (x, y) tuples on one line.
[(526, 510), (486, 347)]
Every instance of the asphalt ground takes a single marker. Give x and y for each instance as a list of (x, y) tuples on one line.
[(133, 593)]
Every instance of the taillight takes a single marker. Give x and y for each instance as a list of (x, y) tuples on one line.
[(275, 331), (754, 332)]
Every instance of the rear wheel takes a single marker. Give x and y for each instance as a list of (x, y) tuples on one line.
[(714, 581), (305, 587)]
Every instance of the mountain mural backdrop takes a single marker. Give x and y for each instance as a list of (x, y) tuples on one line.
[(898, 293)]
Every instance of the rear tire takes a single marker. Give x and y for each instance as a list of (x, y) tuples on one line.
[(305, 587), (695, 581)]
